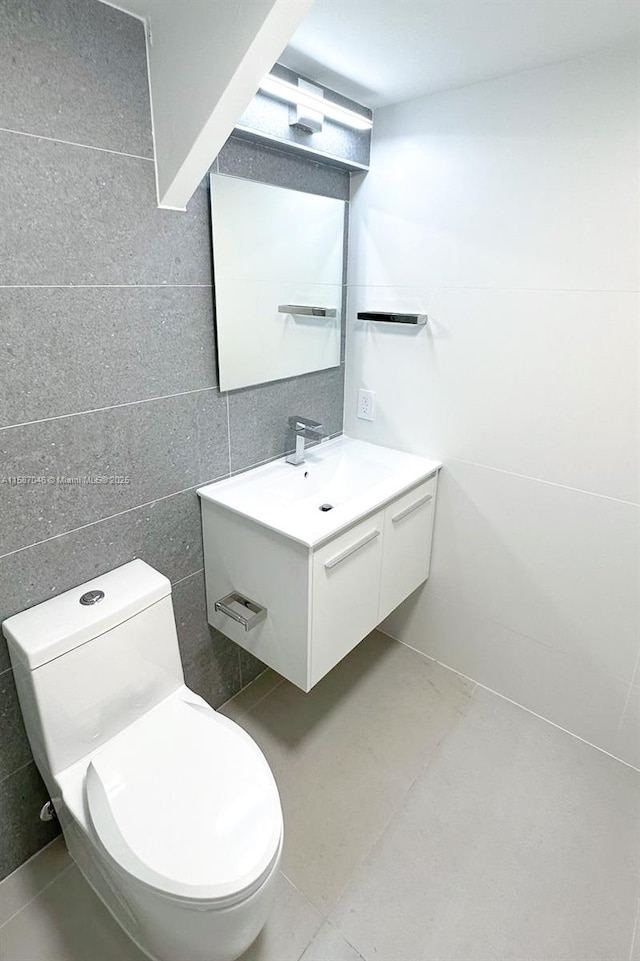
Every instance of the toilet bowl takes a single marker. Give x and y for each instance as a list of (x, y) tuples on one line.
[(169, 809)]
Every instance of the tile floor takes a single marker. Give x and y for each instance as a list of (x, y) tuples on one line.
[(426, 820)]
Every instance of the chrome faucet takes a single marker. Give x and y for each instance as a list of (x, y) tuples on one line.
[(304, 428)]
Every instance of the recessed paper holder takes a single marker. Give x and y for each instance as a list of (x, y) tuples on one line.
[(241, 609), (392, 317), (303, 310)]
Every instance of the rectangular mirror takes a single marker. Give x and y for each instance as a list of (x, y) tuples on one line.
[(278, 280)]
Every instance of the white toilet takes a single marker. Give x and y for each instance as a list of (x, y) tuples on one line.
[(169, 808)]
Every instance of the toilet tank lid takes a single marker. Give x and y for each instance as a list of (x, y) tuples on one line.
[(59, 625)]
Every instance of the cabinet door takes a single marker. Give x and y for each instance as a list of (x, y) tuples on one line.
[(346, 592), (408, 523)]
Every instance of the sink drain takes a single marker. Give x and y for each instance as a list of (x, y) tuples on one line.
[(325, 507)]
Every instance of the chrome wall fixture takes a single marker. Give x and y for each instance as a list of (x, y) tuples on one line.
[(387, 317), (302, 310), (242, 610)]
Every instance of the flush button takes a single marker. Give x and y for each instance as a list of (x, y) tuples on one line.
[(91, 597)]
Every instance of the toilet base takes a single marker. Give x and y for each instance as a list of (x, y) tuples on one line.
[(165, 929)]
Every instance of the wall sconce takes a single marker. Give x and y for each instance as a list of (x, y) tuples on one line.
[(311, 105)]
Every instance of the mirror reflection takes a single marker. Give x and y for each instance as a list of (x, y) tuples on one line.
[(278, 280)]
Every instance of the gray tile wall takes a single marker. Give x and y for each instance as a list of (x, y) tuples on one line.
[(107, 352)]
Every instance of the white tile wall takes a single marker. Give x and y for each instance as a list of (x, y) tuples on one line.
[(508, 211), (542, 383), (525, 181), (549, 562), (570, 691)]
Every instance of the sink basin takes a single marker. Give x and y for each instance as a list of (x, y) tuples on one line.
[(350, 477)]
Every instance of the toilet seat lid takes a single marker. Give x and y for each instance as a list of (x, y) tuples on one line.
[(185, 801)]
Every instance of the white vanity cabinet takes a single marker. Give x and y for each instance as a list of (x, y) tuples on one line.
[(406, 545), (345, 588), (321, 599)]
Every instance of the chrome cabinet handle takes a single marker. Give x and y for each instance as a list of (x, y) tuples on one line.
[(411, 508), (348, 551)]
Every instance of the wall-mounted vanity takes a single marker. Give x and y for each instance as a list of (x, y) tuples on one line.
[(302, 562)]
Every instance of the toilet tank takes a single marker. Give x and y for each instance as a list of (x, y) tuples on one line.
[(90, 661)]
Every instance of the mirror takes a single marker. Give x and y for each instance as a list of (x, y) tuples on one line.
[(278, 280)]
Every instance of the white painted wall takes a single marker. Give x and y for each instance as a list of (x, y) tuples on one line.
[(509, 212), (206, 60)]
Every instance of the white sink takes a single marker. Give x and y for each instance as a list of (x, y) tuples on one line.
[(353, 477)]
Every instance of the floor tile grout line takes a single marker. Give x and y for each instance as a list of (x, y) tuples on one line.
[(100, 410), (74, 143), (400, 801), (38, 854), (311, 905), (515, 703), (634, 936), (541, 480), (336, 927), (385, 827), (101, 520), (260, 699), (632, 685), (40, 892)]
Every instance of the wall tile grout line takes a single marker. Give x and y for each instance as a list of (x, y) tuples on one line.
[(511, 701), (151, 243), (541, 480), (229, 433), (101, 520), (98, 410), (20, 767), (531, 290), (186, 577), (270, 460), (505, 627), (72, 143)]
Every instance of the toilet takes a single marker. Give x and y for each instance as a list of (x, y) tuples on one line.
[(169, 809)]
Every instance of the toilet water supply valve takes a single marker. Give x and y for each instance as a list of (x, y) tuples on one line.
[(48, 812)]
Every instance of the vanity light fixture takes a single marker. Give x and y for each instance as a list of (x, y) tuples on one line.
[(289, 92)]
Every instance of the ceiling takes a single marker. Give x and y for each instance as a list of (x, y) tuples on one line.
[(385, 51)]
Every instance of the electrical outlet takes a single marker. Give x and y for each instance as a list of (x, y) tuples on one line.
[(366, 404)]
